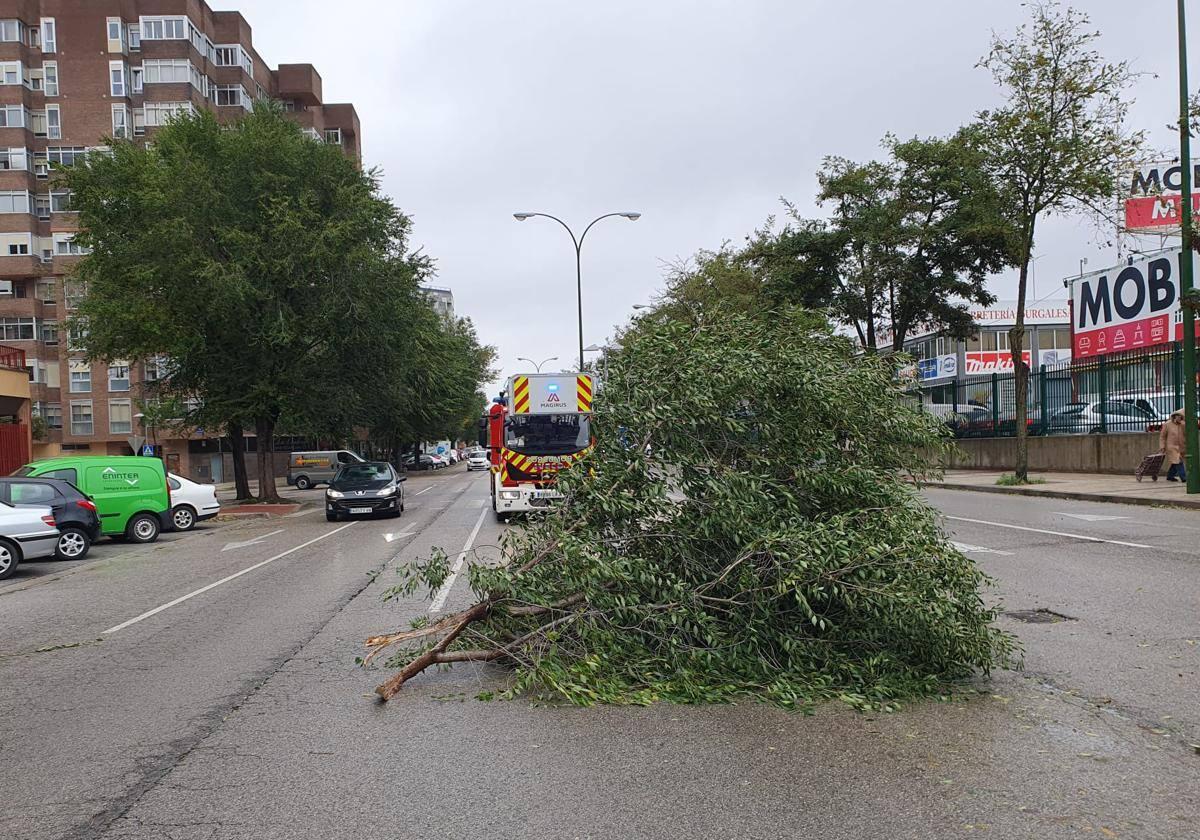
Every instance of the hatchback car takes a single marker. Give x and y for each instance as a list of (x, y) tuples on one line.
[(365, 489), (477, 460), (74, 513), (1081, 418), (26, 533)]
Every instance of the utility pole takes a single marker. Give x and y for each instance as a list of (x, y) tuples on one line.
[(1186, 281)]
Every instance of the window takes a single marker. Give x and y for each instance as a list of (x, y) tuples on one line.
[(64, 245), (53, 122), (333, 135), (41, 206), (116, 35), (156, 369), (10, 72), (18, 249), (60, 201), (120, 122), (10, 31), (41, 168), (81, 377), (135, 78), (164, 28), (81, 417), (120, 417), (166, 70), (65, 155), (50, 77), (49, 36), (31, 493), (14, 158), (16, 329), (139, 122), (52, 414), (35, 37), (230, 94), (74, 291), (135, 37), (49, 332), (118, 376), (116, 78), (160, 113), (14, 201), (45, 292), (12, 116)]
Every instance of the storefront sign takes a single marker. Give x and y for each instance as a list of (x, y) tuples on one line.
[(1004, 313), (1127, 306), (938, 367), (992, 361)]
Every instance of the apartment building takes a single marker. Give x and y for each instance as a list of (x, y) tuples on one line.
[(74, 73)]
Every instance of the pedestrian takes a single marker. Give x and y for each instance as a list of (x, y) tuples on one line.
[(1173, 443)]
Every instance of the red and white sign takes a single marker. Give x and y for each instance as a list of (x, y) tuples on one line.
[(1154, 196), (1156, 211), (992, 361), (1127, 306)]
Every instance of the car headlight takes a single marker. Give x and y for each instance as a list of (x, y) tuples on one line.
[(334, 494), (386, 491), (510, 494)]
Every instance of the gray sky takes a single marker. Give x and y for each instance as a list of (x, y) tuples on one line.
[(700, 115)]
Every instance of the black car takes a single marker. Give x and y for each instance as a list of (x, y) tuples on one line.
[(365, 489), (425, 462), (74, 513)]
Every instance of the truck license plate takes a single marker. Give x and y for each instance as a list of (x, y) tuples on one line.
[(360, 510), (547, 494)]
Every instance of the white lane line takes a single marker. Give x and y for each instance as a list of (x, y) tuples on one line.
[(426, 490), (215, 584), (1052, 533), (967, 548), (439, 599)]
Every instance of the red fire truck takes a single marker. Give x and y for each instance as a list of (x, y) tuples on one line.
[(539, 425)]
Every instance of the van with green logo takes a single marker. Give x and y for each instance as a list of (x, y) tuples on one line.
[(130, 492)]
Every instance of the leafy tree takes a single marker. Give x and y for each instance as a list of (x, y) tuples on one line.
[(251, 256), (770, 547), (1056, 146), (918, 236)]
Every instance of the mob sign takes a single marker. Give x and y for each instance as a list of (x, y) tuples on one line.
[(1127, 306)]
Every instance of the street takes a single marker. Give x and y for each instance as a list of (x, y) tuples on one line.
[(161, 694)]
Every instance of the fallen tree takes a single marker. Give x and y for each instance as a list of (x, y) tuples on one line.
[(744, 527)]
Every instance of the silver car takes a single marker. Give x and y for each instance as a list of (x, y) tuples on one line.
[(26, 533), (1113, 415)]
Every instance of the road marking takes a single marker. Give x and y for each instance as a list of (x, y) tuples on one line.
[(400, 536), (297, 513), (967, 548), (1090, 517), (215, 584), (426, 490), (254, 541), (1052, 533), (439, 599)]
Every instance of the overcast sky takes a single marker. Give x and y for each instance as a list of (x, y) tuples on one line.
[(699, 115)]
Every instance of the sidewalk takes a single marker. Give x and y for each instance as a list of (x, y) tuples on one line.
[(1122, 489)]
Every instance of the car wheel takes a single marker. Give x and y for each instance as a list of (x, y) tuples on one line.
[(302, 483), (331, 517), (10, 558), (183, 518), (73, 544), (142, 528)]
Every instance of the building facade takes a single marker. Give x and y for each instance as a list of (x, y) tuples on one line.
[(441, 299), (74, 73)]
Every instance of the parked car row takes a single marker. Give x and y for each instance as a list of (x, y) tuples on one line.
[(58, 507), (1124, 411)]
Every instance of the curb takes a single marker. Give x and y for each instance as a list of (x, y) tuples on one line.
[(1111, 498)]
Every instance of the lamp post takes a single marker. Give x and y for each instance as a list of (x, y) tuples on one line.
[(1185, 265), (537, 365), (578, 242)]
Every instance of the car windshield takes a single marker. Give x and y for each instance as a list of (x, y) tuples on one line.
[(547, 434), (364, 472)]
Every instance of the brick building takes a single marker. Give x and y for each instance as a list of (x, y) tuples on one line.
[(72, 74)]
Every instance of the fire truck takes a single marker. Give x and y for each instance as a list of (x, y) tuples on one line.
[(538, 425)]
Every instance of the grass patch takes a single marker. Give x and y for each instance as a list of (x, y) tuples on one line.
[(1011, 480)]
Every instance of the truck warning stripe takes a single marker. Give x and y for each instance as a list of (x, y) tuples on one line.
[(521, 395), (584, 391)]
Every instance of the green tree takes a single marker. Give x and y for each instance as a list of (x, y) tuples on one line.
[(1056, 146), (254, 258)]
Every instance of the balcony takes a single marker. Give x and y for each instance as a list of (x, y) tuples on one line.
[(12, 358), (299, 82)]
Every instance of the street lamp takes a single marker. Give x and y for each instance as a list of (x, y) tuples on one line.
[(578, 242), (1192, 458), (537, 365)]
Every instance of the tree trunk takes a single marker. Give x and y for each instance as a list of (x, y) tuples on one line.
[(264, 427), (1016, 343), (237, 444)]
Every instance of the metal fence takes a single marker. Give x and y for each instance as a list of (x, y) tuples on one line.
[(1126, 392)]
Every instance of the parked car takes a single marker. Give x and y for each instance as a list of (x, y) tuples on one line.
[(308, 469), (365, 489), (440, 461), (26, 533), (477, 460), (130, 491), (450, 456), (425, 462), (191, 502), (74, 513), (1160, 404), (1114, 415)]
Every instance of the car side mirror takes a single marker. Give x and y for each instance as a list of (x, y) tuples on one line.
[(402, 477)]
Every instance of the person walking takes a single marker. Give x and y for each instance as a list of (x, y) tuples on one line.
[(1173, 442)]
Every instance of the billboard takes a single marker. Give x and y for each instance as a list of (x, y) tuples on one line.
[(1127, 306), (1154, 196)]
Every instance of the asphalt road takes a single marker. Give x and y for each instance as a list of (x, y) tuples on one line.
[(129, 710)]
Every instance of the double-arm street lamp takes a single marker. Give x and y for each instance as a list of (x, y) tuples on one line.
[(578, 242), (537, 365)]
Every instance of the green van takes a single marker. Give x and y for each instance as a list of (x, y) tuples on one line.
[(130, 492)]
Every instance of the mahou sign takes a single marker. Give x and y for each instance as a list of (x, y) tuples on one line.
[(1127, 306)]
